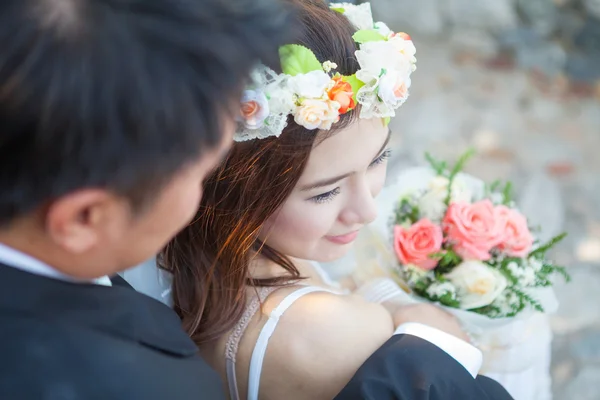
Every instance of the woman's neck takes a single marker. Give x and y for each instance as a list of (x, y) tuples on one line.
[(263, 268)]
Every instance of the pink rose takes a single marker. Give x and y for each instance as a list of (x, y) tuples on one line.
[(415, 244), (518, 239), (474, 229)]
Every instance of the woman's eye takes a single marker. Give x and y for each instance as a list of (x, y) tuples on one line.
[(325, 197), (382, 157)]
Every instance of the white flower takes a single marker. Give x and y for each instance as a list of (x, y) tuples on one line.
[(378, 55), (359, 15), (413, 273), (328, 66), (535, 264), (281, 98), (525, 274), (317, 113), (432, 206), (439, 289), (383, 29), (386, 75), (460, 190), (255, 108), (393, 88), (311, 85), (405, 47), (477, 284)]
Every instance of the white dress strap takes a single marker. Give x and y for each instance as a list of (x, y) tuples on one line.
[(260, 349)]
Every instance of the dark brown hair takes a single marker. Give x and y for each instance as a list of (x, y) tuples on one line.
[(209, 259)]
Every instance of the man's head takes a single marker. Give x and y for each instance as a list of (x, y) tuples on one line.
[(111, 114)]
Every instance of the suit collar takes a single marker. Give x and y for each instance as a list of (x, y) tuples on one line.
[(117, 310)]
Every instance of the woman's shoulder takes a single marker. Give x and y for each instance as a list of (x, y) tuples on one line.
[(322, 338)]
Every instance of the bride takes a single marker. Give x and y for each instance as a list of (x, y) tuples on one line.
[(298, 185)]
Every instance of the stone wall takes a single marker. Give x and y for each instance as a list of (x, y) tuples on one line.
[(549, 37)]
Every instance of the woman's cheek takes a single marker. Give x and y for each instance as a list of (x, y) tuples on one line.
[(377, 180), (299, 226)]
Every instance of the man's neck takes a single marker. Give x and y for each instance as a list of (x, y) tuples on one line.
[(26, 253)]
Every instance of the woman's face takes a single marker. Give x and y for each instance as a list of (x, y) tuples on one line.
[(335, 195)]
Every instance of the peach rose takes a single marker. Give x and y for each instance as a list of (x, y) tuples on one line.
[(254, 109), (518, 239), (393, 88), (474, 229), (415, 244), (317, 113), (342, 93)]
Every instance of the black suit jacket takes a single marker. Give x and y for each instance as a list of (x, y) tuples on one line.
[(409, 368), (64, 341)]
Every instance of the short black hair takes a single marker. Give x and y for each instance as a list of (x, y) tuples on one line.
[(119, 94)]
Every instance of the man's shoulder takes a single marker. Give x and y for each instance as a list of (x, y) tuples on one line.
[(50, 358), (56, 348)]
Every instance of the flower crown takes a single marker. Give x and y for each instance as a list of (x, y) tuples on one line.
[(316, 95)]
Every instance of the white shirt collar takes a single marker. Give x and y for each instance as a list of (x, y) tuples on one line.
[(17, 259)]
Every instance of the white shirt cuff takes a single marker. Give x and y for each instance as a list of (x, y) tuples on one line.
[(466, 354)]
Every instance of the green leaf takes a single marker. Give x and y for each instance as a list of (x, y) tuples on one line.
[(540, 251), (460, 164), (355, 83), (296, 59), (339, 9), (386, 121), (438, 166), (458, 167), (367, 35), (507, 193)]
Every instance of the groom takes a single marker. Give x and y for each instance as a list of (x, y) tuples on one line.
[(112, 112)]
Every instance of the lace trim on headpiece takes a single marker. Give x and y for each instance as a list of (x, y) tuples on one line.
[(315, 95)]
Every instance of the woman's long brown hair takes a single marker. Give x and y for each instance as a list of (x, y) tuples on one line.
[(210, 258)]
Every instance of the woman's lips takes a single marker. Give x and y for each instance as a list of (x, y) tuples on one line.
[(343, 239)]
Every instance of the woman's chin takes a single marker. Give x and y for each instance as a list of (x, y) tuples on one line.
[(334, 252)]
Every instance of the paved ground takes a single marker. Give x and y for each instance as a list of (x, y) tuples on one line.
[(549, 146)]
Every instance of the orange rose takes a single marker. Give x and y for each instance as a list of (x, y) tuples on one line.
[(342, 93)]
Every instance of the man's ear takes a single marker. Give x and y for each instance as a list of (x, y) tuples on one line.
[(81, 220)]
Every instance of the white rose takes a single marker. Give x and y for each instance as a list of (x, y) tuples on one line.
[(405, 47), (317, 113), (478, 284), (460, 190), (393, 88), (255, 108), (432, 206), (359, 15), (311, 85)]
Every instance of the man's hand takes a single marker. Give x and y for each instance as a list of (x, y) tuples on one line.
[(427, 314)]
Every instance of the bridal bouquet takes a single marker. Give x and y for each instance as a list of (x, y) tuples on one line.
[(470, 249), (449, 238)]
